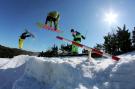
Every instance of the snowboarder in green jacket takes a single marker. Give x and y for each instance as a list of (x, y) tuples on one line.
[(53, 17), (77, 37)]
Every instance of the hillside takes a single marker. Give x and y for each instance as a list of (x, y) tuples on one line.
[(6, 52)]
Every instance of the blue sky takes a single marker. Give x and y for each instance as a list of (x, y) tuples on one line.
[(86, 16)]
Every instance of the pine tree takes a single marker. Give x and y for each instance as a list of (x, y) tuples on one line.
[(107, 43), (54, 50), (124, 41), (66, 49), (133, 38), (99, 47)]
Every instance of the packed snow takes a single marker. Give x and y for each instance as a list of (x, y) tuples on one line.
[(11, 70), (29, 72)]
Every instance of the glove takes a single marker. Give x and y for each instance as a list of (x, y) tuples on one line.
[(83, 37)]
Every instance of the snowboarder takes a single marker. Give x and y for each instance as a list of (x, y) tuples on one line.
[(77, 38), (53, 17), (23, 36)]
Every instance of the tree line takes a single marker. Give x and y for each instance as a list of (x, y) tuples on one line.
[(118, 41)]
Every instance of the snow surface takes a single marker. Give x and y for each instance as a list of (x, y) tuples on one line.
[(29, 72), (11, 70)]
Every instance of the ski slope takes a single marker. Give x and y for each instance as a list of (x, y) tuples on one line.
[(29, 72)]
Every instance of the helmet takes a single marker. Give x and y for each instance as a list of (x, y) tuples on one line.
[(72, 30)]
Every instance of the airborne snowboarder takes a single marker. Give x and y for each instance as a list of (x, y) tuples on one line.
[(23, 36), (77, 38), (53, 17)]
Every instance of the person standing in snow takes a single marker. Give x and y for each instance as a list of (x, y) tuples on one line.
[(77, 37), (53, 17), (23, 36)]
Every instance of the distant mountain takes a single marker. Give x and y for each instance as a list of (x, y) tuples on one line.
[(7, 52)]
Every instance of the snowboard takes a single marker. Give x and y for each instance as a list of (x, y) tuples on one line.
[(46, 27)]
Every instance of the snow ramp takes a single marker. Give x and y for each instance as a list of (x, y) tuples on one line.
[(77, 73)]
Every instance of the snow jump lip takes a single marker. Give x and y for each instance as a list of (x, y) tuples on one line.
[(89, 48)]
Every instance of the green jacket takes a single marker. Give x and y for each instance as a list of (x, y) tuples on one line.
[(54, 14), (78, 37)]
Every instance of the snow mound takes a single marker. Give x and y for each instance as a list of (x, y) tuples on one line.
[(11, 70), (26, 72), (16, 62), (77, 73), (122, 75), (55, 73)]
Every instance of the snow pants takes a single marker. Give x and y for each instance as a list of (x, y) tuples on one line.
[(74, 48), (52, 20), (21, 41)]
